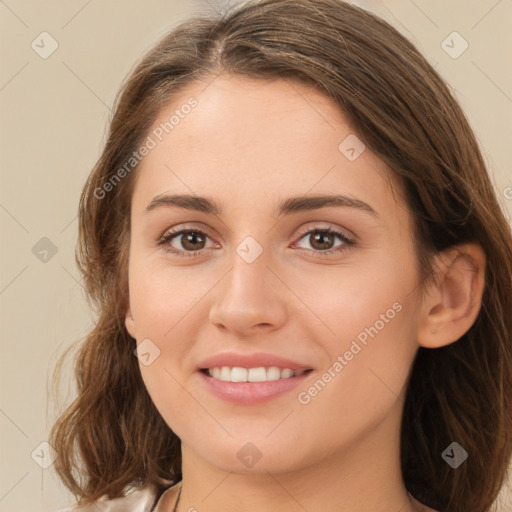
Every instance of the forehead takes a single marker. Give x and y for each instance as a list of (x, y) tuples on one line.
[(263, 139)]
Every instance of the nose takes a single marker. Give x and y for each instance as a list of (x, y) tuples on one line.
[(249, 300)]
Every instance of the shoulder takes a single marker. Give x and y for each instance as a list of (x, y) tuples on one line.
[(135, 500)]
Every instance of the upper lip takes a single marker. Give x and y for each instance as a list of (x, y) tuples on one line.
[(232, 359)]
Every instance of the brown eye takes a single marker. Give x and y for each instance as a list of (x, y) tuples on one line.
[(191, 241), (322, 241)]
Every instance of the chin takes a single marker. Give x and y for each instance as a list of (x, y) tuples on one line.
[(242, 456)]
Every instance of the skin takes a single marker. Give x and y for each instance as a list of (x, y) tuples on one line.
[(249, 145)]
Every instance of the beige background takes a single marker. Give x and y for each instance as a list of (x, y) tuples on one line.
[(53, 115)]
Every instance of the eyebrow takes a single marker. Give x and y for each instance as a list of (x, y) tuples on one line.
[(286, 207)]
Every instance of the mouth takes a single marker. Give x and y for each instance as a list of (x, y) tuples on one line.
[(251, 386), (258, 374)]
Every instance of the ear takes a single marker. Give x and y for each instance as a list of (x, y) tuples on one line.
[(130, 323), (452, 302)]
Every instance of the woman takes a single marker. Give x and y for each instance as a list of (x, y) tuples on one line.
[(292, 227)]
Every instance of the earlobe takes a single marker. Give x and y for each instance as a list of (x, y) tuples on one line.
[(452, 302)]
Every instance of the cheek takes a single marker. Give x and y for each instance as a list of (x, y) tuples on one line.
[(161, 297), (167, 306), (364, 380), (365, 302), (370, 344)]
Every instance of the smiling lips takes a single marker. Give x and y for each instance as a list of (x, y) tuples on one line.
[(259, 374), (251, 379)]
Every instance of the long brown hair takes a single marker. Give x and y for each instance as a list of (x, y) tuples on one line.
[(112, 436)]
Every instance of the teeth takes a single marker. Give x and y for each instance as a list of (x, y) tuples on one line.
[(257, 374), (286, 373), (260, 374), (238, 374), (225, 373), (273, 373)]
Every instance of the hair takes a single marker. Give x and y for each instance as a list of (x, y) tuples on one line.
[(406, 114)]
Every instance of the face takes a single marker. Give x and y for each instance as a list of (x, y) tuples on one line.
[(266, 313)]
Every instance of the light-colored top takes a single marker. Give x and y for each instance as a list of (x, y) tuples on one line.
[(143, 500), (139, 500)]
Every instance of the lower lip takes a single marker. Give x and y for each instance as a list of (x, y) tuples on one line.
[(249, 393)]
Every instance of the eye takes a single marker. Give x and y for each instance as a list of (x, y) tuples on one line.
[(322, 239), (193, 241)]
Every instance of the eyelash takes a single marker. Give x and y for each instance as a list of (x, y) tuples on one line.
[(165, 240)]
